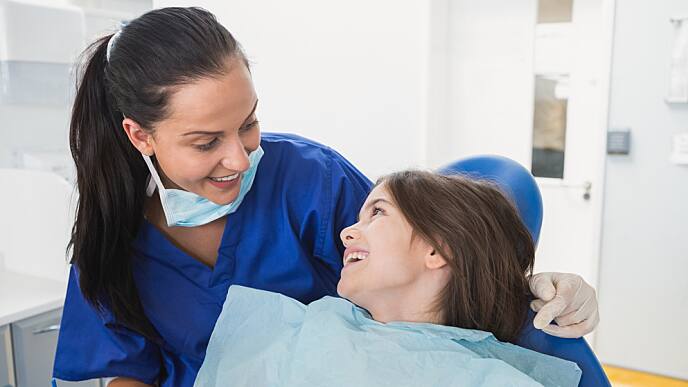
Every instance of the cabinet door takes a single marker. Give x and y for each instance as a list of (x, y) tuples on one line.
[(6, 364), (34, 341)]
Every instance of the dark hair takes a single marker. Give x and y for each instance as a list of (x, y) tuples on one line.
[(154, 53), (488, 249)]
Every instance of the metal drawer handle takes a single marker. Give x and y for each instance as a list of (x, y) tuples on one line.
[(48, 329)]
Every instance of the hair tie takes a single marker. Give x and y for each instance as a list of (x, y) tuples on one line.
[(113, 39)]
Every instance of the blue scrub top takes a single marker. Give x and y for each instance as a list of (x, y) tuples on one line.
[(283, 238)]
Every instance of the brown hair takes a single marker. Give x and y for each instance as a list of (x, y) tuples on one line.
[(488, 249)]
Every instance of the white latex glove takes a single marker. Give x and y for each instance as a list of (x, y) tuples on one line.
[(566, 299)]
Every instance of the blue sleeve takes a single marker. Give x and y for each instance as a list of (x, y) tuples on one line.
[(91, 345), (575, 350), (347, 189)]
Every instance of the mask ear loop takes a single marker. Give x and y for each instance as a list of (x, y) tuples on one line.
[(154, 179), (153, 182), (150, 186)]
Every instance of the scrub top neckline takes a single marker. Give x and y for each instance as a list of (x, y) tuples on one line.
[(170, 253)]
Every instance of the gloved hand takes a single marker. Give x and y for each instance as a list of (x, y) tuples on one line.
[(566, 299)]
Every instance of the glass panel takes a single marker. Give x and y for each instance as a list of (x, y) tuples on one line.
[(549, 125), (555, 11)]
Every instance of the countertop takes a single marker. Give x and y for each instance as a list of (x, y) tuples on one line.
[(23, 296)]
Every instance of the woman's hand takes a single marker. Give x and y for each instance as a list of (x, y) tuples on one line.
[(126, 382), (566, 299)]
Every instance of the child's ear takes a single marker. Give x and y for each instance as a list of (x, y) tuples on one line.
[(433, 259)]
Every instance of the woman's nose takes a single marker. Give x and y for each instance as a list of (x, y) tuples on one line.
[(235, 157), (349, 235)]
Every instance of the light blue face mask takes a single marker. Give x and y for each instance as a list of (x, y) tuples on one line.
[(184, 208)]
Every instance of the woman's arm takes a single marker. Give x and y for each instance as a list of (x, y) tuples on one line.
[(120, 351), (126, 382)]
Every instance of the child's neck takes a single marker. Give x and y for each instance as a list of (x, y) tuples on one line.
[(415, 304), (400, 316)]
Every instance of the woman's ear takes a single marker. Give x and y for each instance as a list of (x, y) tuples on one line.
[(141, 139), (434, 260)]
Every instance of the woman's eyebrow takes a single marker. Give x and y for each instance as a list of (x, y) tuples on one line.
[(371, 204), (204, 132), (255, 105), (219, 132)]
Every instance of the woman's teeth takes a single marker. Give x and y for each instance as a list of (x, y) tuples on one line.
[(355, 257), (225, 178)]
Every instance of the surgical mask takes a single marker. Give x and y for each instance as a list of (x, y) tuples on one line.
[(187, 209)]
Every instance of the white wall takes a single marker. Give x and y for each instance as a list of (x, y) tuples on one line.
[(391, 84), (131, 7), (644, 267), (352, 75), (491, 80)]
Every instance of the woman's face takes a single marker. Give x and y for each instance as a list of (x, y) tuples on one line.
[(203, 145), (382, 261)]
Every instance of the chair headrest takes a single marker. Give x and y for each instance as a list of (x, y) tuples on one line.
[(514, 180)]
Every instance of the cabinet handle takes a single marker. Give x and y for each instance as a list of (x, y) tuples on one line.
[(48, 329)]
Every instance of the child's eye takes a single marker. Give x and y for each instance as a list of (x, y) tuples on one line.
[(208, 146)]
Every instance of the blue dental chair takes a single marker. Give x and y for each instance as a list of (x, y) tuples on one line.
[(519, 184)]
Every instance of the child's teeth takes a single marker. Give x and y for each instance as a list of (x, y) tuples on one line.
[(356, 256)]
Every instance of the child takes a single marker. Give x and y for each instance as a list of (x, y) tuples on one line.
[(435, 266)]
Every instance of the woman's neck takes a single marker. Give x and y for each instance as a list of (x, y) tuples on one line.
[(152, 210)]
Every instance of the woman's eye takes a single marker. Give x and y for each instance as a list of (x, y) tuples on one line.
[(208, 146), (377, 211), (250, 126)]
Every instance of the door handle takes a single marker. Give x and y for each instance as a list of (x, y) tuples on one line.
[(587, 186)]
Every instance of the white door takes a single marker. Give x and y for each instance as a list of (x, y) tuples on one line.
[(499, 53), (575, 56)]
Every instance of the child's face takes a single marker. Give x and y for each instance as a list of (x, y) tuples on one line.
[(381, 262)]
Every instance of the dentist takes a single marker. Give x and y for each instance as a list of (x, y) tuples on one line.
[(181, 196)]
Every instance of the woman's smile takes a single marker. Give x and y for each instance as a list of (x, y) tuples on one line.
[(226, 182)]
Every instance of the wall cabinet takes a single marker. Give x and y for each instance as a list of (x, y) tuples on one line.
[(6, 363)]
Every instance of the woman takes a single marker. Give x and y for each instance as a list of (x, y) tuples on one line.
[(438, 263), (181, 196)]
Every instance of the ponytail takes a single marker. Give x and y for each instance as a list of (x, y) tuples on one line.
[(110, 177), (185, 44)]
